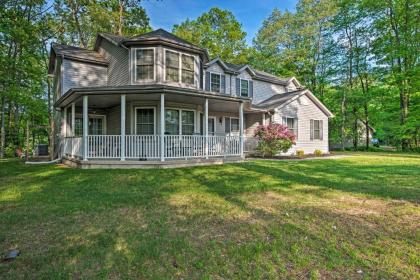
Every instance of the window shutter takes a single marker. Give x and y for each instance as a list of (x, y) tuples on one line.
[(207, 81), (251, 89), (321, 130), (312, 129), (295, 127), (227, 125), (222, 83), (238, 87)]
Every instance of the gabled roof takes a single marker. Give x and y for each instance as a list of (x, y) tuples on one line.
[(256, 74), (282, 99), (161, 34), (75, 53)]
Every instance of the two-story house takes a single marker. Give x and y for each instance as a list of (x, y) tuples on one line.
[(156, 99)]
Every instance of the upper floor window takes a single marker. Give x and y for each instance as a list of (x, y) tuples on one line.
[(244, 87), (214, 82), (145, 64), (188, 69), (179, 67), (172, 66)]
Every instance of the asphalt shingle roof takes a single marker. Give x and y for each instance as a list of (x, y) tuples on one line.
[(279, 99), (78, 53)]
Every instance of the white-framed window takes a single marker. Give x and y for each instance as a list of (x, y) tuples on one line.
[(292, 124), (179, 121), (144, 64), (231, 125), (172, 66), (215, 82), (97, 125), (145, 120), (187, 69), (316, 129), (179, 68), (244, 87)]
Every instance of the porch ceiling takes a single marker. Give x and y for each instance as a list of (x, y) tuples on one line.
[(106, 97), (109, 101)]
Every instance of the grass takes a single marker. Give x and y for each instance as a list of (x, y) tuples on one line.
[(350, 218)]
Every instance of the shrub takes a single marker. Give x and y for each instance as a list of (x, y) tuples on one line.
[(274, 138), (318, 153), (300, 153)]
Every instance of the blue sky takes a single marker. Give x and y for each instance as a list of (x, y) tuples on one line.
[(251, 13)]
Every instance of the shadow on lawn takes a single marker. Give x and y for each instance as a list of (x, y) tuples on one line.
[(122, 223)]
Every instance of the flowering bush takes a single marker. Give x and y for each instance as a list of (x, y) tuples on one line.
[(274, 138)]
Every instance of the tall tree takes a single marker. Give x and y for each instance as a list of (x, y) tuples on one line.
[(219, 32), (81, 20)]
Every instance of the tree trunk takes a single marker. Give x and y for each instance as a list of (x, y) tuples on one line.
[(355, 130), (27, 141), (121, 18), (2, 128), (343, 119)]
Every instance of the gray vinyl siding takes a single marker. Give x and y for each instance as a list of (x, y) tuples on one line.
[(57, 86), (80, 74), (118, 69), (264, 90), (304, 113)]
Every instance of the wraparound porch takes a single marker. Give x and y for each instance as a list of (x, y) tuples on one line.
[(213, 129)]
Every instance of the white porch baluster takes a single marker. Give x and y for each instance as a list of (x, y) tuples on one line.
[(85, 127), (73, 124), (241, 129), (206, 128), (162, 127), (122, 150)]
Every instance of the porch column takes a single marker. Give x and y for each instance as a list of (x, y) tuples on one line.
[(162, 127), (241, 129), (73, 125), (206, 127), (85, 127), (65, 122), (122, 151), (263, 119)]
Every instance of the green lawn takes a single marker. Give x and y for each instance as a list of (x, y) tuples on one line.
[(349, 218)]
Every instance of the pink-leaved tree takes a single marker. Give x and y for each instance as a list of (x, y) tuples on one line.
[(274, 138)]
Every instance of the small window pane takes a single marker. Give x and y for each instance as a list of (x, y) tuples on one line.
[(244, 87), (317, 129), (172, 122), (214, 82)]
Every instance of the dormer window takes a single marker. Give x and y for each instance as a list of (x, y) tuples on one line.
[(215, 82), (244, 87), (179, 68), (145, 66)]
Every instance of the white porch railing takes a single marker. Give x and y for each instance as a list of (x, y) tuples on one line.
[(104, 146), (148, 146), (142, 146), (73, 146)]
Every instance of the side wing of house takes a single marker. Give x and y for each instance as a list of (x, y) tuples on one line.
[(307, 120)]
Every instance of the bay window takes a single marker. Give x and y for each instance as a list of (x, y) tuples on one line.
[(188, 69), (172, 66), (145, 64)]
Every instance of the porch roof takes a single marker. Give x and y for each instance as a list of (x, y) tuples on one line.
[(150, 92)]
